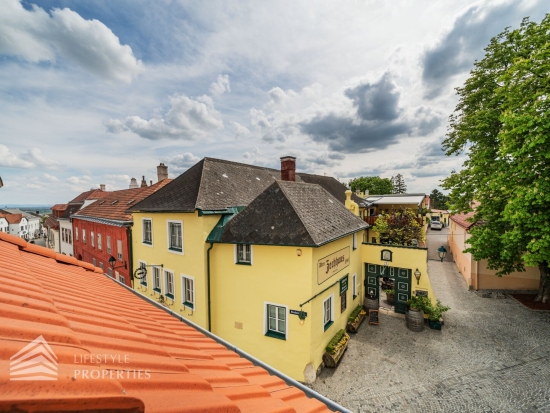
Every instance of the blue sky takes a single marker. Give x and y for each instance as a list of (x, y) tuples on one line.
[(96, 92)]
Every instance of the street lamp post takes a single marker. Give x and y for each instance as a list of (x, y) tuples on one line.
[(442, 252)]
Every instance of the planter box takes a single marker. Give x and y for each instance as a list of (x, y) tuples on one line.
[(331, 360), (353, 327), (435, 325)]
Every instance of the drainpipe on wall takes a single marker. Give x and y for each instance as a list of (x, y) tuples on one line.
[(208, 284), (130, 255)]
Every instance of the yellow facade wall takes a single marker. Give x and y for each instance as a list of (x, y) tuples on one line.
[(403, 257), (191, 262), (284, 276)]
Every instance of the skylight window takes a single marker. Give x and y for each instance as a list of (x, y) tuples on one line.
[(330, 200), (102, 202), (225, 176), (114, 202), (130, 201)]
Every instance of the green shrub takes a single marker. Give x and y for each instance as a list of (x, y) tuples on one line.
[(331, 346), (355, 313)]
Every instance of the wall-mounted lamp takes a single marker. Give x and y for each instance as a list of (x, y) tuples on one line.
[(417, 275), (112, 263), (442, 252), (302, 316)]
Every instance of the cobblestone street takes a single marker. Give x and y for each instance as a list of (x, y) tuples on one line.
[(492, 355)]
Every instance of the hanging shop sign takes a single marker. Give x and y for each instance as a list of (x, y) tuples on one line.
[(343, 284), (331, 264)]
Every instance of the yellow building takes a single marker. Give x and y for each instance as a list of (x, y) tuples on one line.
[(244, 272)]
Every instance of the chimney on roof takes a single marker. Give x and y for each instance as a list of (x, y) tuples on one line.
[(151, 182), (102, 187), (133, 183), (162, 172), (143, 182), (288, 168)]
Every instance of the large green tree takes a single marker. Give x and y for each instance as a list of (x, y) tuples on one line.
[(374, 184), (502, 120), (438, 200), (399, 186), (400, 227)]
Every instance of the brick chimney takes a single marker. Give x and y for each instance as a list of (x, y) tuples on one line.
[(162, 172), (143, 182), (102, 187), (288, 168)]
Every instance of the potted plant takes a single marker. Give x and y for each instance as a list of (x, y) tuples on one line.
[(355, 319), (434, 313), (335, 348), (390, 295), (415, 315)]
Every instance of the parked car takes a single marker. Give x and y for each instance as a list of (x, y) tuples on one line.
[(436, 225)]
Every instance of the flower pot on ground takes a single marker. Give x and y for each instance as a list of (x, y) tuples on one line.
[(335, 349), (434, 313), (390, 295), (414, 317), (355, 319), (371, 303)]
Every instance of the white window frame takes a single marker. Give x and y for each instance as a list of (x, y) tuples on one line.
[(266, 320), (84, 235), (92, 239), (165, 279), (119, 249), (328, 323), (99, 244), (76, 233), (143, 281), (94, 262), (108, 240), (149, 244), (110, 272), (101, 266), (237, 261), (169, 237), (354, 241), (156, 286), (189, 304), (354, 286)]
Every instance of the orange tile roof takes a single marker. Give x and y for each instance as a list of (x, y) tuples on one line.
[(461, 219), (115, 351), (440, 210), (59, 207), (91, 194), (12, 218), (114, 204)]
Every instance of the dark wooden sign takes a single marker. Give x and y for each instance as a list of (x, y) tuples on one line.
[(373, 317), (343, 284), (421, 293), (296, 312)]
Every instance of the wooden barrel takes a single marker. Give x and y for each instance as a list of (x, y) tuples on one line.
[(415, 319), (371, 304)]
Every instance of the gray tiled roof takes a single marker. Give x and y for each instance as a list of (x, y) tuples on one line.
[(215, 184), (292, 213)]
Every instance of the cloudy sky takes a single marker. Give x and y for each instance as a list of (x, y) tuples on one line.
[(99, 91)]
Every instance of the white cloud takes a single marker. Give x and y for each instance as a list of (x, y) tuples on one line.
[(182, 162), (220, 86), (187, 119), (76, 180), (11, 160), (34, 156), (277, 96), (240, 130), (51, 178), (36, 36), (258, 118)]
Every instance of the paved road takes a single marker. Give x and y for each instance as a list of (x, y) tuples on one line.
[(434, 240), (493, 355)]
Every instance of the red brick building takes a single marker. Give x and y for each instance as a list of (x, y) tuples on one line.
[(103, 230)]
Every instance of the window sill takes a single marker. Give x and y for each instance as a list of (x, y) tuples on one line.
[(157, 290), (176, 250), (143, 285), (243, 263), (327, 325), (273, 334), (189, 305), (170, 296)]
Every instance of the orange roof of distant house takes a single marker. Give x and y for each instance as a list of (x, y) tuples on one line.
[(114, 204), (51, 222), (91, 194), (12, 218), (461, 219), (443, 211), (114, 351), (59, 207)]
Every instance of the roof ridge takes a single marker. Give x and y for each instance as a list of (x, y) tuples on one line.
[(46, 252), (241, 163), (294, 206)]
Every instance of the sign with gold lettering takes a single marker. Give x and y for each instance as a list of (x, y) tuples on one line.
[(331, 264)]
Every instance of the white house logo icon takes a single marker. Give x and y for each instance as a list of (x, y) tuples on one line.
[(36, 361)]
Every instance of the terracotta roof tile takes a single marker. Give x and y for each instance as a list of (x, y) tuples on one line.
[(461, 219), (12, 218), (51, 222), (91, 194), (59, 207), (114, 204), (143, 359)]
